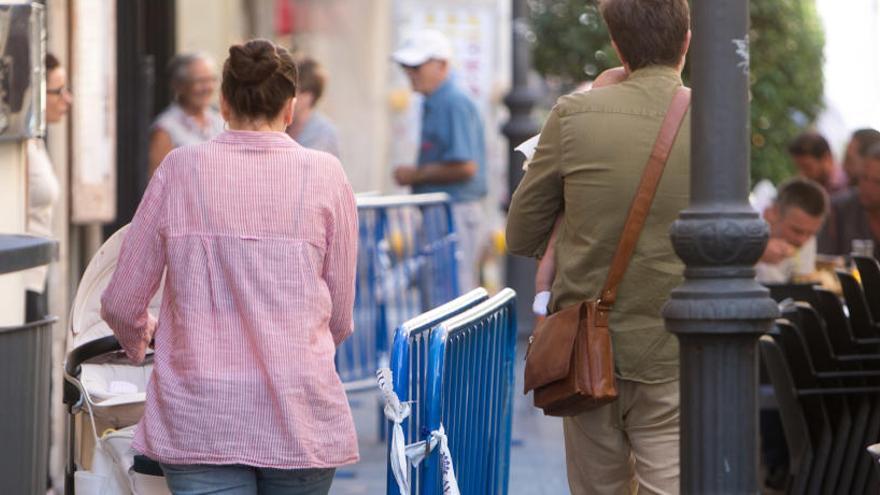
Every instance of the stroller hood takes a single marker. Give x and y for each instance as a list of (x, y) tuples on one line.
[(85, 313)]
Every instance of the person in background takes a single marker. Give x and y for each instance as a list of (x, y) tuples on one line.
[(861, 141), (812, 157), (43, 188), (794, 219), (452, 148), (257, 239), (189, 119), (855, 214), (587, 166), (310, 127)]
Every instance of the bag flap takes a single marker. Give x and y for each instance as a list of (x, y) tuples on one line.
[(552, 344)]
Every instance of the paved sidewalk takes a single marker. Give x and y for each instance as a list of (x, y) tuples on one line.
[(537, 456)]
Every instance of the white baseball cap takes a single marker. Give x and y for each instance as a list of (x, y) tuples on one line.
[(421, 46)]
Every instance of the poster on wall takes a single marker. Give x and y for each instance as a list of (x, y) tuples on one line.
[(472, 31), (93, 116), (472, 34)]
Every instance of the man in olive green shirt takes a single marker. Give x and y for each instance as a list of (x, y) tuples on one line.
[(588, 163)]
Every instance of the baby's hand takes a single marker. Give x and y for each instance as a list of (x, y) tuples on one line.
[(611, 76)]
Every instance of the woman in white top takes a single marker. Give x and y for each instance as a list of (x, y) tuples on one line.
[(190, 119), (43, 189)]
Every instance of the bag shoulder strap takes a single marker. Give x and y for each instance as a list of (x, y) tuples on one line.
[(641, 204)]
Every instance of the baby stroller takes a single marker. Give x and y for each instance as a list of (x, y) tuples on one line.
[(104, 394)]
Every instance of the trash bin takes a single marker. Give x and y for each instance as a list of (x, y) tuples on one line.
[(25, 378)]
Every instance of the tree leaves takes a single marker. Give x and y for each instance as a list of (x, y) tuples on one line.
[(571, 43)]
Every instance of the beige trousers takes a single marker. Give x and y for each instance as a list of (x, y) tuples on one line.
[(470, 225), (627, 447)]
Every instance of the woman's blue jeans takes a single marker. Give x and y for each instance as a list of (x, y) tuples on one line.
[(199, 479)]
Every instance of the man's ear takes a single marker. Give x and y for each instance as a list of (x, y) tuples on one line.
[(687, 44)]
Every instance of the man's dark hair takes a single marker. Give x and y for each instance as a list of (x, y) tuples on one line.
[(311, 77), (648, 32), (809, 143), (52, 62), (866, 139), (873, 152), (802, 193), (258, 78)]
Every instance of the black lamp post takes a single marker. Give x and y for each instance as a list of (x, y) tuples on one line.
[(720, 311), (521, 126)]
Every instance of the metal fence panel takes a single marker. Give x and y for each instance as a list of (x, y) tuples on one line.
[(406, 265), (409, 359), (470, 392)]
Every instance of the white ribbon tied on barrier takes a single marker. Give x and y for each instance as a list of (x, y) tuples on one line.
[(416, 453), (396, 412)]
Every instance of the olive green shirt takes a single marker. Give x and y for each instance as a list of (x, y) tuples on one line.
[(588, 163)]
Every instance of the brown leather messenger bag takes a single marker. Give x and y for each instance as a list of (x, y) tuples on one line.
[(569, 363)]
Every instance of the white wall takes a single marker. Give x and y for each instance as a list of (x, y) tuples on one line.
[(209, 26), (352, 40), (852, 68)]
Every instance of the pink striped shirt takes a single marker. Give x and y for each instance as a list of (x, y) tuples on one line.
[(259, 238)]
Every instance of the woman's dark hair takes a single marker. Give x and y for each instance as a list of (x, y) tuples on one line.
[(258, 78), (52, 62)]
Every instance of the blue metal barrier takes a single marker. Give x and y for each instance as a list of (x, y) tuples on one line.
[(470, 392), (406, 265), (409, 360)]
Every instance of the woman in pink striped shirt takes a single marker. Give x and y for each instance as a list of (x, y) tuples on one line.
[(257, 237)]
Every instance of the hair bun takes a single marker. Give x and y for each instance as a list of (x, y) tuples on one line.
[(254, 61)]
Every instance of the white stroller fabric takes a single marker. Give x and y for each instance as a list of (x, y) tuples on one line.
[(85, 314), (112, 473), (114, 393)]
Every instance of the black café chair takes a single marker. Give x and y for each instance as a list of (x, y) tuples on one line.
[(869, 272), (829, 416), (800, 438), (806, 404), (856, 410), (795, 292), (840, 332), (860, 318)]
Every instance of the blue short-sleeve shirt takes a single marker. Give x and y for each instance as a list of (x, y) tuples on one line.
[(452, 131)]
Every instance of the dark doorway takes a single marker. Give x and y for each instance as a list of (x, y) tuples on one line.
[(145, 43)]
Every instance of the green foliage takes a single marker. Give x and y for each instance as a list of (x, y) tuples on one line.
[(571, 44)]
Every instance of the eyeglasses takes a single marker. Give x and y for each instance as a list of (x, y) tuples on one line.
[(59, 91)]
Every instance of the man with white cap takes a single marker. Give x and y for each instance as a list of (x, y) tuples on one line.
[(452, 150)]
